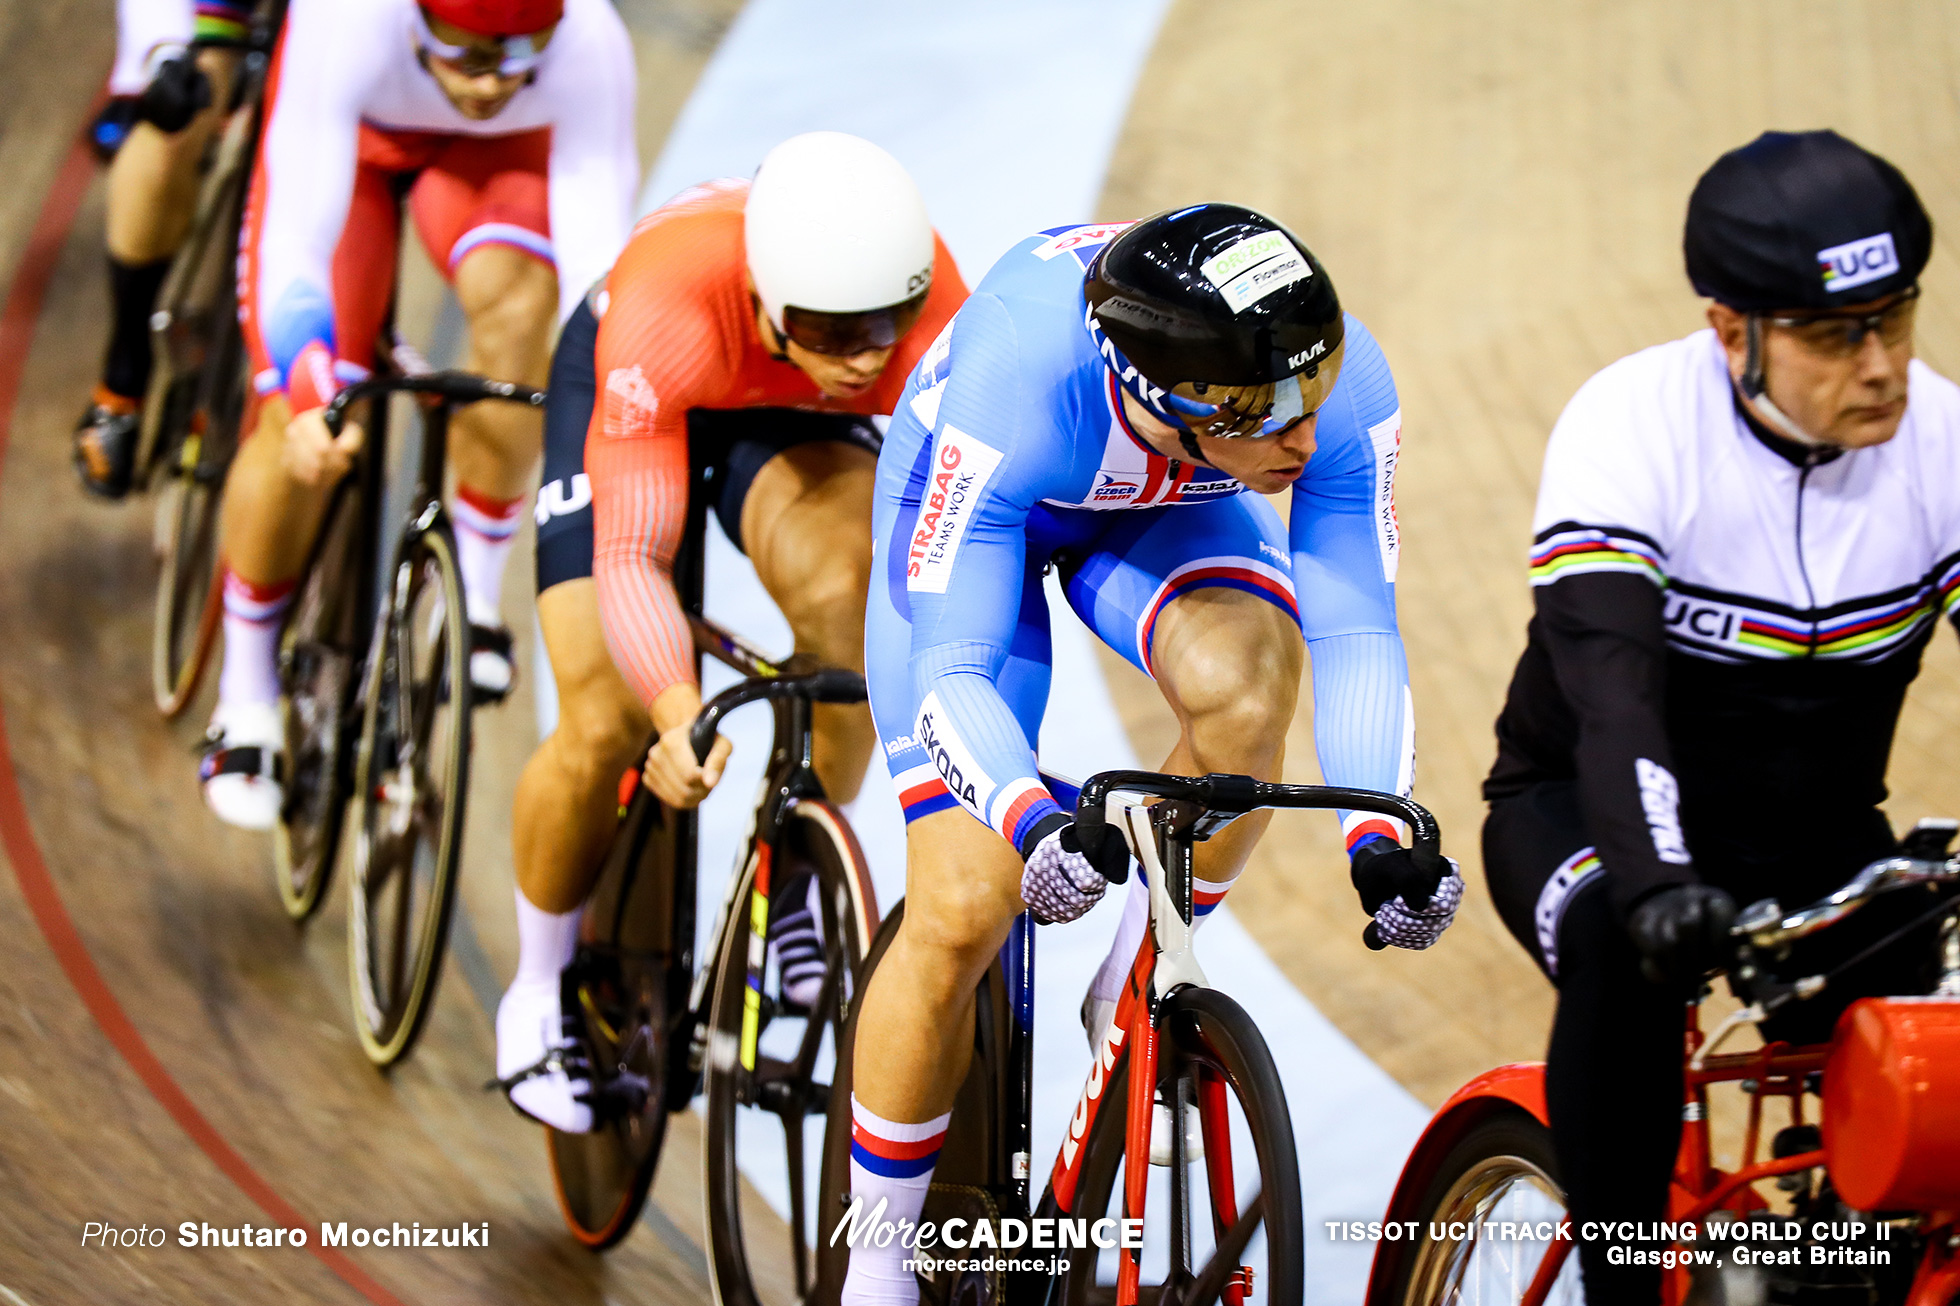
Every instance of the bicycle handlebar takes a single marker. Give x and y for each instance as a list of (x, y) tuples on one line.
[(1763, 924), (830, 685), (453, 387), (1239, 794)]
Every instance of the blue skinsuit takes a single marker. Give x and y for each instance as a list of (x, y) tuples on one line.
[(1009, 451)]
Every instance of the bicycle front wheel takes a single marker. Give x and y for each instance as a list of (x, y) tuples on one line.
[(410, 780), (1223, 1214), (769, 1056), (319, 661), (1502, 1170)]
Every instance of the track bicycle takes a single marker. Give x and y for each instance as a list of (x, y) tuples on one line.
[(656, 1031), (1881, 1163), (1173, 1041), (200, 392), (375, 698)]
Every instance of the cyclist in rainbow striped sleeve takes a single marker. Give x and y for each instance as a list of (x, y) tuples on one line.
[(1098, 406), (1745, 539)]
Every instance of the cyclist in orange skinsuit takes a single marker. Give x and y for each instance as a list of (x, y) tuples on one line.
[(757, 326)]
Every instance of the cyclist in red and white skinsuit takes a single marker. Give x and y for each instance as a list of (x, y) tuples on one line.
[(507, 125)]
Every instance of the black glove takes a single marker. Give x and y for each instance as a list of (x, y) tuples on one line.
[(1062, 880), (1682, 932), (175, 95), (1382, 870)]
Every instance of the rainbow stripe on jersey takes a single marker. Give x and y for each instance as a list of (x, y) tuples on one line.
[(1569, 549)]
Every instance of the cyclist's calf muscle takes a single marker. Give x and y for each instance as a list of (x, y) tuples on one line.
[(269, 518), (915, 1029), (566, 803)]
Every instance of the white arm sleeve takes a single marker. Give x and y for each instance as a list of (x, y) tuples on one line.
[(595, 166)]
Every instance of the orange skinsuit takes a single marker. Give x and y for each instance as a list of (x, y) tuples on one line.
[(679, 332)]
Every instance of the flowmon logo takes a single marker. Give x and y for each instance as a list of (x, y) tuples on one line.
[(1858, 261)]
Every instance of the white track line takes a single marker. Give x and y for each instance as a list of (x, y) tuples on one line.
[(1006, 113)]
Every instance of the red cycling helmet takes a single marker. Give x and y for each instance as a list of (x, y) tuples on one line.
[(497, 17)]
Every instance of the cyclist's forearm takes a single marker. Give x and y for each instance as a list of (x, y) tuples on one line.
[(1608, 649), (976, 743), (1364, 723)]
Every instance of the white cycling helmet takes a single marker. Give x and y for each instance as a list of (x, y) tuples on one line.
[(839, 245)]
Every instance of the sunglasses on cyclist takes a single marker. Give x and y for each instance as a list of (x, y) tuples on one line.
[(1248, 412), (1842, 334), (509, 56), (841, 335)]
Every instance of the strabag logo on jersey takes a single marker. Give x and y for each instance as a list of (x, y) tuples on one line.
[(1386, 437), (1660, 799), (1857, 261), (961, 467), (1254, 268)]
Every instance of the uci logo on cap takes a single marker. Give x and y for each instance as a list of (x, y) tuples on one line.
[(1858, 261)]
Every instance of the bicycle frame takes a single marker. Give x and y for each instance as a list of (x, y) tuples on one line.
[(1700, 1189), (1162, 818)]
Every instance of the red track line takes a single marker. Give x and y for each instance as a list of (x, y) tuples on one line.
[(17, 320)]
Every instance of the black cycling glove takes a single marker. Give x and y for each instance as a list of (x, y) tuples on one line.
[(175, 95), (1682, 932), (1413, 900)]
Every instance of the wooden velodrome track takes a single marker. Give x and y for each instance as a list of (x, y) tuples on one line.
[(1497, 190)]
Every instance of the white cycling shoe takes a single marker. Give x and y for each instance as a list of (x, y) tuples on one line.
[(539, 1066), (492, 663), (239, 767)]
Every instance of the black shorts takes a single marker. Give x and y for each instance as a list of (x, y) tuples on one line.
[(1549, 887), (727, 446)]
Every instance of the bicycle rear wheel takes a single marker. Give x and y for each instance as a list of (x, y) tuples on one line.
[(1503, 1169), (630, 982), (199, 391), (411, 779), (1224, 1221), (319, 660), (767, 1057)]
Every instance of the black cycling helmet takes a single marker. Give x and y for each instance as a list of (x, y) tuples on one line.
[(1804, 220), (1213, 295)]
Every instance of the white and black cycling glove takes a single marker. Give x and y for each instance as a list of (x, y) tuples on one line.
[(1413, 900), (1061, 881)]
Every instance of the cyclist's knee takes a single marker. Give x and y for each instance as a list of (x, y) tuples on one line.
[(826, 611), (509, 298), (598, 734), (1236, 702)]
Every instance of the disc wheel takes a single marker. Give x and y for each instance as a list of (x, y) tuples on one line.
[(1502, 1170), (1223, 1218), (410, 782), (767, 1057), (319, 660), (629, 984)]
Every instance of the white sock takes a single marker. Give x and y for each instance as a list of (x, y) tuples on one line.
[(486, 529), (251, 623), (1115, 968), (1108, 984), (545, 942), (890, 1163)]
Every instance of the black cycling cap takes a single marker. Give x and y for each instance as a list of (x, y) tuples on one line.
[(1804, 220)]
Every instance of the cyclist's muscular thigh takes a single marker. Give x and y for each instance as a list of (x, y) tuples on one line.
[(806, 523), (1229, 664), (915, 1028), (270, 519), (154, 178), (567, 797), (510, 299)]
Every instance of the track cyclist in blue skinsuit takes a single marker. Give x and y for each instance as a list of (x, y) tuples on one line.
[(1099, 405)]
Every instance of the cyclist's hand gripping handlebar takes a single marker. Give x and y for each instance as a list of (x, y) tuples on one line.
[(1225, 797)]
